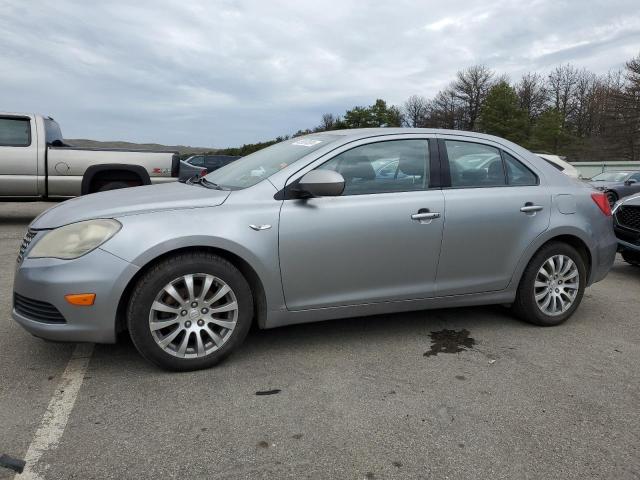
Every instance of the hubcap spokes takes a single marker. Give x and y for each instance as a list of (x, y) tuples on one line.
[(556, 285), (193, 315)]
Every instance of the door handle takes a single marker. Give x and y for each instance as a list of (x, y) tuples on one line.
[(425, 214), (531, 208)]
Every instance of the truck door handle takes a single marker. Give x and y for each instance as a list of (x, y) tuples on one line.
[(425, 214), (531, 208)]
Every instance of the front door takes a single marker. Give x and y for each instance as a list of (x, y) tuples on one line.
[(379, 241), (18, 157)]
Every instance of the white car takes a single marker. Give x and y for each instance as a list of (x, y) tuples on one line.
[(559, 163)]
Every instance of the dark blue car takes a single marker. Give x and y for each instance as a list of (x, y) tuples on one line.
[(617, 184)]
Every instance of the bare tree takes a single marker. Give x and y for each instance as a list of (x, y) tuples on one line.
[(584, 102), (471, 87), (622, 130), (415, 110), (328, 121), (561, 85), (446, 111), (532, 94)]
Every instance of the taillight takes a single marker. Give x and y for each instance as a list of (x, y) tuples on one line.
[(203, 172), (603, 202)]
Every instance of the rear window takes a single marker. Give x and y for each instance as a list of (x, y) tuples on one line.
[(15, 132), (52, 131)]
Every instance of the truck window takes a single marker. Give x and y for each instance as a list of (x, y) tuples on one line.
[(15, 132), (52, 131)]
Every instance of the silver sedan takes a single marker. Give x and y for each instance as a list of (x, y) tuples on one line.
[(325, 226)]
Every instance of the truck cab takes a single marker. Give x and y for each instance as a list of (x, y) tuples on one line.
[(35, 162)]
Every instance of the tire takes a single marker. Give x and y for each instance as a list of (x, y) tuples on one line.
[(526, 304), (207, 342), (612, 197), (112, 186), (632, 258)]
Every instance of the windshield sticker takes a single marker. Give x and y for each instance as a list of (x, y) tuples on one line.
[(306, 142)]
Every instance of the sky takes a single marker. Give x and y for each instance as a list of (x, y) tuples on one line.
[(226, 72)]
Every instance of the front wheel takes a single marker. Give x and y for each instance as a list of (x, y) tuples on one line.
[(552, 285), (190, 311)]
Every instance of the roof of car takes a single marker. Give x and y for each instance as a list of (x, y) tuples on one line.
[(358, 133)]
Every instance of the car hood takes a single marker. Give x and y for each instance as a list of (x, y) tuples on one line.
[(632, 200), (130, 201), (605, 185)]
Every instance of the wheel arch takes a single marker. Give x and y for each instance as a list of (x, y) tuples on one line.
[(571, 236), (95, 171), (247, 270)]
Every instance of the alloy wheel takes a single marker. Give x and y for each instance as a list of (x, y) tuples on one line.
[(556, 285), (193, 315)]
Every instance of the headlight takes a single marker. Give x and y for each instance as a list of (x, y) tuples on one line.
[(75, 240)]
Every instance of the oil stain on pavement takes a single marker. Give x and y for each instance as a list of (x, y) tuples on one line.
[(449, 341)]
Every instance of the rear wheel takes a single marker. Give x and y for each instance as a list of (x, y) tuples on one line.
[(552, 285), (190, 311), (612, 197), (632, 258)]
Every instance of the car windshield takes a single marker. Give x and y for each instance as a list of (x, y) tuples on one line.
[(610, 177), (254, 168)]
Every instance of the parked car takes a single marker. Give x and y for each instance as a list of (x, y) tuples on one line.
[(203, 164), (626, 214), (36, 163), (304, 231), (617, 184), (560, 164)]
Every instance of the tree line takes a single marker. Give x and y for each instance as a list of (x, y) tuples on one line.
[(570, 111)]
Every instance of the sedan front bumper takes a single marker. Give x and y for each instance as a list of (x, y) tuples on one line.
[(43, 283)]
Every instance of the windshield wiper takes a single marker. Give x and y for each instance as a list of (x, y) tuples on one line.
[(198, 180)]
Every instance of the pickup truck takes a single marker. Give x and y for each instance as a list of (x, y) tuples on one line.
[(36, 163), (203, 164)]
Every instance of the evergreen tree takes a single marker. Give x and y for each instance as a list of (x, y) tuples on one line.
[(501, 115), (548, 133)]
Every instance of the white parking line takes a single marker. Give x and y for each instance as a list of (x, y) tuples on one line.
[(57, 414)]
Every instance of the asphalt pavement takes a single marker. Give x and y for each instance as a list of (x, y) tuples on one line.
[(355, 398)]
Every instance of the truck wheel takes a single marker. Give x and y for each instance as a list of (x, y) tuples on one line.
[(632, 258), (112, 186), (190, 311), (552, 285)]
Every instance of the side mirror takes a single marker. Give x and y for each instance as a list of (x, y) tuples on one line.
[(321, 183), (631, 181)]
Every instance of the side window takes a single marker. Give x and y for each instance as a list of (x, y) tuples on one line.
[(212, 162), (636, 177), (15, 132), (197, 161), (474, 165), (390, 166), (517, 173)]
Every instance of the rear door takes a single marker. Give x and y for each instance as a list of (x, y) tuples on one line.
[(18, 156), (496, 205), (212, 163), (379, 241)]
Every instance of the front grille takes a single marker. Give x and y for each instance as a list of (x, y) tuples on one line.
[(26, 241), (628, 216), (37, 310)]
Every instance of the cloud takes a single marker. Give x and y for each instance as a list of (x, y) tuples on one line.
[(217, 73)]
